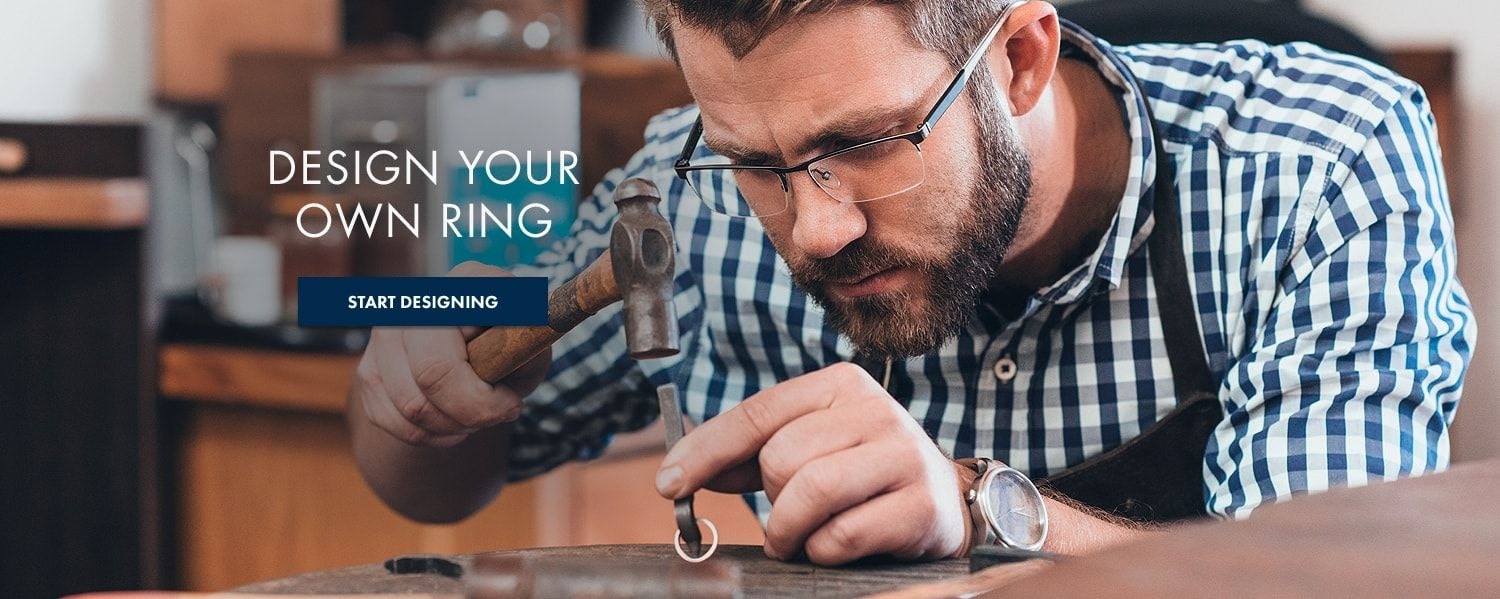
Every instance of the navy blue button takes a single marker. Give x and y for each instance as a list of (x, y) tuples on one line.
[(421, 301)]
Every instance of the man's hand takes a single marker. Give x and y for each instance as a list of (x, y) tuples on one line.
[(416, 384), (423, 424), (849, 472)]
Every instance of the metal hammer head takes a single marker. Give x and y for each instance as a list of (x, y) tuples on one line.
[(644, 261)]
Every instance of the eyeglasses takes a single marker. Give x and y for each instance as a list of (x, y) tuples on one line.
[(862, 172)]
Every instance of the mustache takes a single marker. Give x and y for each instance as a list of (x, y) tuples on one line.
[(860, 258)]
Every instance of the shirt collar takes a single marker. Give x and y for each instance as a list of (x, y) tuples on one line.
[(1106, 264)]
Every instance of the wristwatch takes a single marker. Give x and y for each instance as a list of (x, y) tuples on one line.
[(1005, 506)]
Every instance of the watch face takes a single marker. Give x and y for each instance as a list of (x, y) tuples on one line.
[(1016, 510)]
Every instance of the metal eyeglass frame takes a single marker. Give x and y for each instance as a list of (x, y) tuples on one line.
[(950, 95)]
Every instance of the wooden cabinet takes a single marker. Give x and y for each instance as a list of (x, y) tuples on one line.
[(267, 493), (266, 484), (77, 499), (196, 38)]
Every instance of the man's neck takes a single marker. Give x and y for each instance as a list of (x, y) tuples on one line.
[(1080, 153)]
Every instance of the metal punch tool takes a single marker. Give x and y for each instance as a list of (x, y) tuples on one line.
[(687, 522)]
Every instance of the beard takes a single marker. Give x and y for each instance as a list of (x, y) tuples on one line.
[(902, 324)]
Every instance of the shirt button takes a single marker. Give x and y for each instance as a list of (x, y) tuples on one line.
[(1005, 369)]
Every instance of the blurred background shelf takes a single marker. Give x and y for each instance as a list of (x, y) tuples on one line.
[(314, 383), (73, 204)]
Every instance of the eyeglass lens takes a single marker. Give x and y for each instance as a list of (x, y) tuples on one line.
[(872, 172)]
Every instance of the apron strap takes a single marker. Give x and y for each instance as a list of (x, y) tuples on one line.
[(1174, 296), (1158, 475)]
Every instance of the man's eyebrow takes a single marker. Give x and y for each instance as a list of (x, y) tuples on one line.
[(739, 154), (854, 128), (851, 128)]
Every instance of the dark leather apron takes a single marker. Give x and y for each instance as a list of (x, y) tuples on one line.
[(1158, 475)]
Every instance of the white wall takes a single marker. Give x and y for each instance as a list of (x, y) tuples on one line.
[(1470, 28), (74, 60)]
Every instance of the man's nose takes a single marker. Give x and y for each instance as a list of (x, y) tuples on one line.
[(823, 225)]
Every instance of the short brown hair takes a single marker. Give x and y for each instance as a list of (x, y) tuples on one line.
[(947, 26)]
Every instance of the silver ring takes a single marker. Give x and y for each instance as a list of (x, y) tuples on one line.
[(677, 543)]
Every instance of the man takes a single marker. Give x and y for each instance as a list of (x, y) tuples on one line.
[(991, 268)]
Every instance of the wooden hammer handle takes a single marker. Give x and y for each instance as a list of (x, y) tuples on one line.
[(499, 351)]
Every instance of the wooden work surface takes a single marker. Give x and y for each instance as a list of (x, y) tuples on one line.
[(759, 575), (1432, 536)]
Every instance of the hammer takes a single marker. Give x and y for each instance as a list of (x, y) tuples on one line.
[(637, 267)]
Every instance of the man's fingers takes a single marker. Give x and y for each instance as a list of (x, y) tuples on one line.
[(737, 435), (829, 485), (802, 441), (385, 417), (475, 269), (382, 412), (402, 390), (441, 371), (420, 387), (741, 478), (886, 525)]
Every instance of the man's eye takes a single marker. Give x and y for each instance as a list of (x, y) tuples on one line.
[(889, 131)]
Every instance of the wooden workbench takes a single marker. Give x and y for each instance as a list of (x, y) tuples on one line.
[(1434, 536)]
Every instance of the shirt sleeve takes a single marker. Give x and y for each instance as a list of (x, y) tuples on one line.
[(593, 390), (1356, 371)]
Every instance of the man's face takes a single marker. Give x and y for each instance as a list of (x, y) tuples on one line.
[(900, 275)]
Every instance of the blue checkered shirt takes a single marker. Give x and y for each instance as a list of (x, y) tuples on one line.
[(1317, 232)]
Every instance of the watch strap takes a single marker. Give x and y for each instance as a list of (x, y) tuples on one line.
[(980, 531)]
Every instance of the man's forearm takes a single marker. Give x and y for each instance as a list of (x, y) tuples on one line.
[(1072, 528), (1075, 529), (430, 484)]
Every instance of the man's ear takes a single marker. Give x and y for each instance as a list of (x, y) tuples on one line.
[(1024, 57)]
